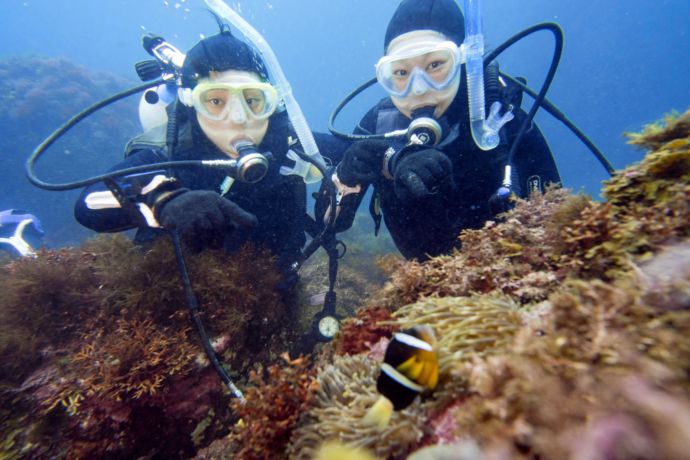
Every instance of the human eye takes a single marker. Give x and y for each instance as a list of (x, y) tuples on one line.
[(254, 100), (216, 98), (400, 72), (436, 65), (215, 101)]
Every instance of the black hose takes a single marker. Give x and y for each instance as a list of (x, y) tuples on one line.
[(120, 172), (69, 125), (540, 99), (555, 60), (560, 116), (171, 138), (492, 85), (343, 103), (193, 307)]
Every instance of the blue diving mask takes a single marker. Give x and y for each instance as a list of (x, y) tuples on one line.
[(419, 67)]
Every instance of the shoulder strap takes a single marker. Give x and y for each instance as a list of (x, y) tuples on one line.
[(155, 138)]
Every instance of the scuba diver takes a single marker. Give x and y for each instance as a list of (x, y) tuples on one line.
[(225, 109), (20, 233), (439, 180)]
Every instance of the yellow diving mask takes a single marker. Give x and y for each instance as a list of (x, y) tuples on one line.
[(216, 100)]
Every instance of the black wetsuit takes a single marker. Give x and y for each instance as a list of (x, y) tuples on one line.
[(278, 201), (430, 227)]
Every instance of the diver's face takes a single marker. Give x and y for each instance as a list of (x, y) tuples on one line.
[(435, 66), (238, 125)]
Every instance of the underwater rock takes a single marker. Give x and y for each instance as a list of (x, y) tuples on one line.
[(274, 401), (563, 331), (37, 95), (364, 331), (543, 320), (666, 278), (109, 350)]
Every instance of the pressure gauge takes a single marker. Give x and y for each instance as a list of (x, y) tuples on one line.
[(326, 326)]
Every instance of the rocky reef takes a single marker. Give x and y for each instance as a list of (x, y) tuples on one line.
[(99, 358), (37, 95), (562, 333)]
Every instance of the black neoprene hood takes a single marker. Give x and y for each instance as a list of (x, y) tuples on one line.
[(219, 53), (442, 16)]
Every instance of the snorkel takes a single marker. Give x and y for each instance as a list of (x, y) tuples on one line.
[(484, 131), (309, 173)]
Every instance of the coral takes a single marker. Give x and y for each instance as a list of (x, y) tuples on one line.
[(133, 359), (360, 333), (515, 257), (273, 405), (346, 389), (104, 345), (562, 333), (464, 326), (543, 321), (44, 304), (655, 135)]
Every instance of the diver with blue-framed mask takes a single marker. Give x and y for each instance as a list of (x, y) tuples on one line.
[(435, 167)]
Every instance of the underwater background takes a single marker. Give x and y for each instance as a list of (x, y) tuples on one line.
[(562, 329), (624, 64)]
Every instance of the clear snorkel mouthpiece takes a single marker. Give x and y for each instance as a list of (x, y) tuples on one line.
[(484, 131), (309, 173)]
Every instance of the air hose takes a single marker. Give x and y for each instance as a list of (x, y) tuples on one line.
[(193, 307), (540, 99), (50, 140)]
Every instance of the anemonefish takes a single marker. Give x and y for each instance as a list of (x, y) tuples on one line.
[(409, 368)]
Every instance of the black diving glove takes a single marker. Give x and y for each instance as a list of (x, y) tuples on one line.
[(201, 216), (423, 174), (362, 162)]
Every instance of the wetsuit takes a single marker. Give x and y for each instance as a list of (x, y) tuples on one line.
[(278, 201), (428, 227)]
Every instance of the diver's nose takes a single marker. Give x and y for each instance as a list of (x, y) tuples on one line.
[(238, 115), (419, 86)]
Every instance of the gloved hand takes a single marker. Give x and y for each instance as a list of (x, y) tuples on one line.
[(422, 174), (362, 162), (201, 214)]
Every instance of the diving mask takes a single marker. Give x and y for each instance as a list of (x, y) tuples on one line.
[(419, 67), (216, 100)]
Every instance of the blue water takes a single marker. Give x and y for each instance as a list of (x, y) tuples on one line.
[(625, 62)]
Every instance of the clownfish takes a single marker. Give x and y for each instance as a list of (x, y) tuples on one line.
[(410, 367)]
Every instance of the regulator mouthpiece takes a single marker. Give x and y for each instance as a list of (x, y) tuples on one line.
[(424, 129), (251, 166)]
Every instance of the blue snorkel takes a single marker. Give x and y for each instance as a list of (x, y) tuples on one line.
[(484, 131)]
